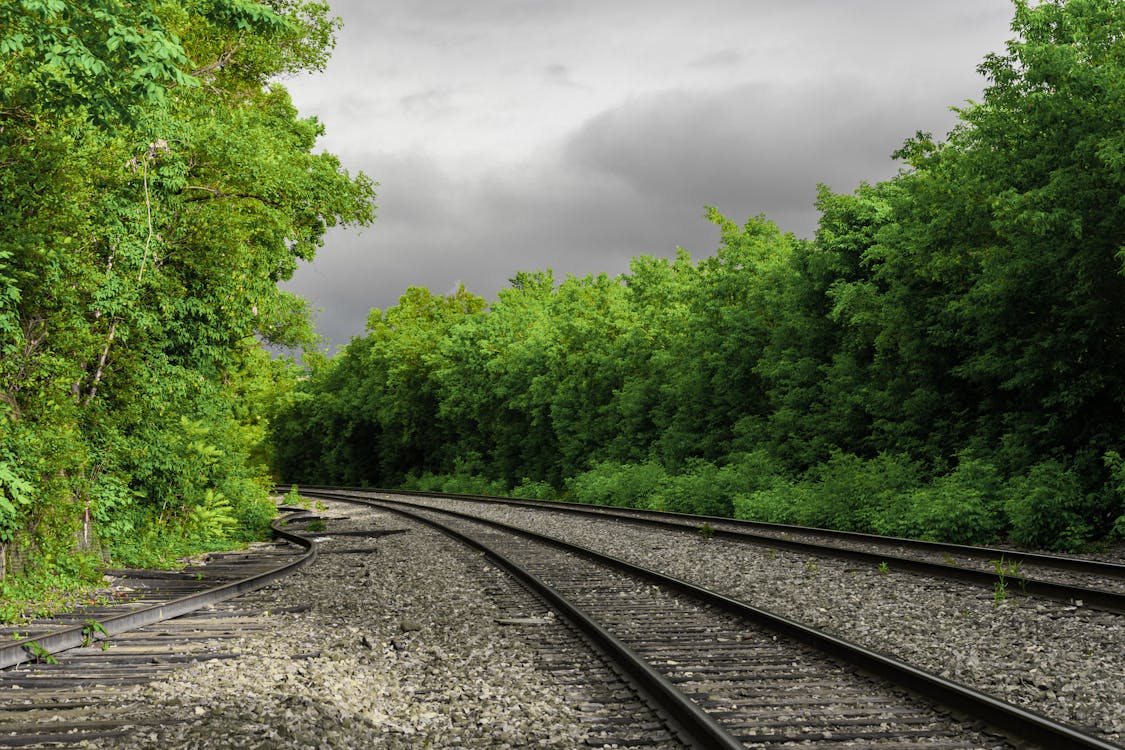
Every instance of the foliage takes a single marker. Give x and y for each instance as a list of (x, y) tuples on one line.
[(533, 490), (1115, 490), (155, 185), (1046, 507), (945, 358), (964, 506), (624, 485), (468, 484)]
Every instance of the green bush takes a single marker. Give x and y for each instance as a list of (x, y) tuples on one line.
[(962, 507), (251, 507), (779, 501), (623, 485), (1047, 508), (847, 492), (857, 494), (1116, 489), (474, 485), (534, 490), (694, 490), (464, 484)]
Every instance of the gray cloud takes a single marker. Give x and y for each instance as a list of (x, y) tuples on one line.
[(430, 103), (754, 148), (612, 157), (558, 75), (632, 180), (721, 59)]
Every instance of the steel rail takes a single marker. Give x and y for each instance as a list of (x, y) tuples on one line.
[(1013, 720), (1110, 601), (690, 520), (75, 636), (694, 725)]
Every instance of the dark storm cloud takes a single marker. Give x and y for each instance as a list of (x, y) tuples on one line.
[(516, 135), (439, 230), (632, 180), (756, 148)]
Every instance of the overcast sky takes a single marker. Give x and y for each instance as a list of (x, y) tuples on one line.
[(512, 135)]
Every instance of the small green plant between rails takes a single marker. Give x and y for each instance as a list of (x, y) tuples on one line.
[(40, 654), (90, 629), (295, 499), (1005, 569)]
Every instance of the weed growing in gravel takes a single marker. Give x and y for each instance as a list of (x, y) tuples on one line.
[(293, 497), (884, 568), (317, 525), (1005, 570), (949, 559), (41, 655), (812, 567), (707, 531), (89, 628), (999, 592)]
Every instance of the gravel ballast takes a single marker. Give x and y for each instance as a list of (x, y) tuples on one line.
[(1063, 661), (399, 648)]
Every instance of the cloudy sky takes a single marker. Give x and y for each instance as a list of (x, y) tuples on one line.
[(512, 135)]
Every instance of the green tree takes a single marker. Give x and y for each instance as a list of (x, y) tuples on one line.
[(155, 187)]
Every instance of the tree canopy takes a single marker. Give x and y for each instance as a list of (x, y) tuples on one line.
[(156, 184), (944, 358)]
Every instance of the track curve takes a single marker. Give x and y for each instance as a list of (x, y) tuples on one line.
[(1092, 583), (51, 640), (1029, 726)]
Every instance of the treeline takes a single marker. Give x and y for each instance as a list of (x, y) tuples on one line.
[(155, 184), (946, 358)]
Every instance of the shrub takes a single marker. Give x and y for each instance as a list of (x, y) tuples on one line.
[(856, 494), (624, 485), (779, 501), (473, 485), (962, 507), (533, 490), (465, 484), (1116, 489), (1046, 508)]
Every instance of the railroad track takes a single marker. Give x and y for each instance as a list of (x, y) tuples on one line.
[(710, 675), (1081, 581), (59, 673), (90, 697), (730, 675)]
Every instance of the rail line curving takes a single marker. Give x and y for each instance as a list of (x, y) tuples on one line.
[(696, 654), (173, 598), (1090, 583)]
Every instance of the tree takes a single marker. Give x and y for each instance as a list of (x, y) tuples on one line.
[(155, 187)]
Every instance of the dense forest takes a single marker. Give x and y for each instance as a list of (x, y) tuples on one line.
[(945, 358), (155, 184)]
